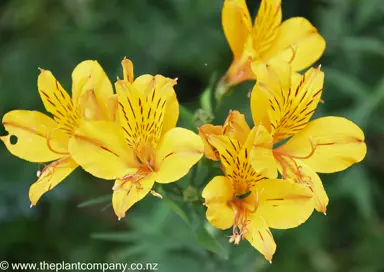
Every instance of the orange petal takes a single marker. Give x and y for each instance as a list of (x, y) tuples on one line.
[(204, 132), (236, 126)]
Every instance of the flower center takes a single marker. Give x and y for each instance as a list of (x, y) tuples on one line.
[(244, 205), (290, 168), (133, 178)]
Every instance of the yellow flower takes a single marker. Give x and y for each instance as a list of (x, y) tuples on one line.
[(282, 103), (295, 40), (235, 126), (250, 204), (145, 148), (35, 137)]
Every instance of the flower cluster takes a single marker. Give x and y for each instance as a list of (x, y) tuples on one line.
[(269, 169)]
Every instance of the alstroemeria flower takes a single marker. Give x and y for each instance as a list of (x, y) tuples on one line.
[(145, 148), (235, 126), (295, 41), (282, 104), (39, 138), (250, 204)]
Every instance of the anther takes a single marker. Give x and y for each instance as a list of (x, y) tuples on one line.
[(156, 194)]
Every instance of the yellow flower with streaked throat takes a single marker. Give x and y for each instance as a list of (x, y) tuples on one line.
[(41, 139), (295, 41), (145, 148), (282, 104), (250, 204)]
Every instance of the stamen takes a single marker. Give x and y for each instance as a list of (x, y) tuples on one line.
[(288, 162), (156, 194), (50, 146)]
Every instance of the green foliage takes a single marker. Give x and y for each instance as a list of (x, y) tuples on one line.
[(184, 39)]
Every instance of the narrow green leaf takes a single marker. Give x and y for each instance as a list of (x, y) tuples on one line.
[(178, 210), (364, 45), (206, 100), (355, 183), (206, 97), (116, 236), (186, 117), (366, 12), (345, 83), (97, 200), (365, 109), (205, 239)]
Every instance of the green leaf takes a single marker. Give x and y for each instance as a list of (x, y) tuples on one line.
[(345, 83), (186, 117), (364, 45), (116, 236), (365, 109), (97, 200), (366, 11), (206, 100), (205, 239), (178, 210), (355, 183), (206, 97)]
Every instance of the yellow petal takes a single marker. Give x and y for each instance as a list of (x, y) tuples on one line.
[(261, 154), (273, 84), (57, 101), (100, 148), (141, 117), (236, 126), (282, 203), (275, 74), (89, 107), (129, 193), (228, 148), (89, 76), (313, 182), (259, 105), (291, 103), (36, 135), (235, 160), (260, 237), (300, 39), (240, 69), (206, 130), (237, 24), (51, 176), (128, 70), (155, 87), (217, 194), (337, 142), (178, 151), (112, 105), (267, 20)]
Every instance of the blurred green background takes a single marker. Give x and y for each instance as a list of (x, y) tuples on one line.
[(184, 39)]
